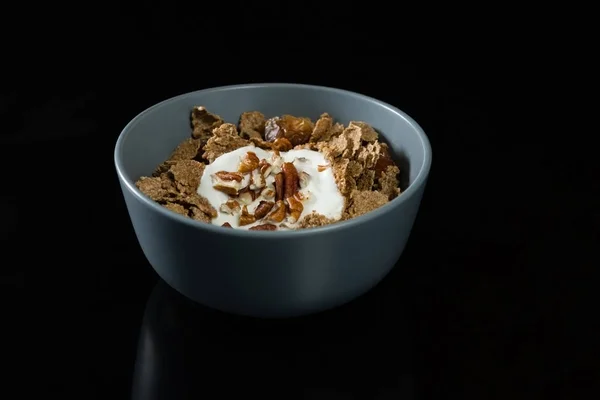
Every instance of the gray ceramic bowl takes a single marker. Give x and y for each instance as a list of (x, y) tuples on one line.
[(270, 274)]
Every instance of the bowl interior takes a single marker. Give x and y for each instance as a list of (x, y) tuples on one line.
[(150, 137)]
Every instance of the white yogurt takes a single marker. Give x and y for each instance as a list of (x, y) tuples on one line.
[(321, 192)]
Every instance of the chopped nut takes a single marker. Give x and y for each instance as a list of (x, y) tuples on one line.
[(290, 180), (228, 182), (257, 180), (230, 207), (245, 217), (295, 208), (322, 168), (282, 144), (304, 177), (263, 209), (249, 163), (279, 189), (276, 163), (264, 227), (265, 167), (226, 225), (268, 192), (246, 197), (277, 214)]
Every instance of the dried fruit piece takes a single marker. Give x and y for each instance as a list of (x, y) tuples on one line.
[(277, 214), (290, 179), (263, 209), (249, 163), (245, 217), (295, 208), (295, 129), (272, 129), (279, 189), (226, 225), (282, 144), (264, 227), (252, 125), (230, 207)]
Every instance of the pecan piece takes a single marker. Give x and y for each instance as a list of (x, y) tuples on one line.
[(279, 186), (227, 225), (230, 207), (322, 168), (290, 179), (228, 182), (265, 167), (296, 209), (264, 227), (263, 209), (246, 197), (249, 163), (278, 212), (245, 217)]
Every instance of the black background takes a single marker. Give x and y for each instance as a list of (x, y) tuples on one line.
[(490, 300)]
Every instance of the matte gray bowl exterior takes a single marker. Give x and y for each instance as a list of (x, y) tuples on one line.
[(269, 274)]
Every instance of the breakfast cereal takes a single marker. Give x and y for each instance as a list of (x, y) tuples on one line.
[(272, 174)]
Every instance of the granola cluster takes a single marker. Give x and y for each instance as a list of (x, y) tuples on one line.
[(363, 169)]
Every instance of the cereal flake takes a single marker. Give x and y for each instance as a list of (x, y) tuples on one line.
[(225, 138)]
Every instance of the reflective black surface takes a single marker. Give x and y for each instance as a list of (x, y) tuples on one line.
[(492, 298), (188, 351)]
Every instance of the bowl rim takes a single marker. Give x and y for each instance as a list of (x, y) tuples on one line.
[(338, 226)]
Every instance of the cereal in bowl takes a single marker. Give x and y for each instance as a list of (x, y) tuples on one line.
[(273, 174)]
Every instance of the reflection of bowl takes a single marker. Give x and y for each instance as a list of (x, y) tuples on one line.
[(189, 351), (270, 274)]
